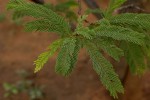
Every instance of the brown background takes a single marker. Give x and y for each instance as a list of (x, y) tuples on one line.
[(19, 49)]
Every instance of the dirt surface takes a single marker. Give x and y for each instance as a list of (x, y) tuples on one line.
[(19, 49)]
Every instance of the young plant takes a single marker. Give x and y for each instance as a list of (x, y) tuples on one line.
[(24, 85), (117, 35)]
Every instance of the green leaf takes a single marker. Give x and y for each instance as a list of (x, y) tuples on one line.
[(109, 47), (135, 57), (66, 5), (85, 32), (43, 58), (82, 30), (42, 25), (105, 70), (120, 33), (129, 20), (10, 88), (113, 5), (67, 56), (40, 12)]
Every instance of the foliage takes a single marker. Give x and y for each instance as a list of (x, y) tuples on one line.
[(43, 58), (24, 85), (66, 9), (105, 70), (113, 5), (62, 8), (129, 20), (118, 35)]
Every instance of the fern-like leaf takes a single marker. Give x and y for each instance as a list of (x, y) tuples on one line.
[(42, 25), (113, 5), (135, 57), (66, 5), (82, 30), (109, 47), (130, 20), (67, 56), (40, 12), (120, 33), (43, 58), (85, 32), (105, 70)]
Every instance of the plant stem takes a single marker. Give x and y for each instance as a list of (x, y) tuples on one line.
[(80, 7)]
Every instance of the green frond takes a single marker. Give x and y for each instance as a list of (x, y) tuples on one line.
[(109, 47), (66, 5), (129, 20), (67, 56), (65, 9), (42, 25), (120, 33), (103, 22), (135, 57), (146, 47), (43, 58), (113, 5), (17, 15), (82, 30), (105, 70), (40, 12), (80, 20), (85, 32)]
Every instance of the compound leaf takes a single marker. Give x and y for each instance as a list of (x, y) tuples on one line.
[(43, 58), (109, 47), (113, 5), (40, 12), (105, 70), (67, 56), (120, 33), (135, 57), (130, 20)]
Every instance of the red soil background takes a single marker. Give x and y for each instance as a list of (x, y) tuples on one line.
[(19, 49)]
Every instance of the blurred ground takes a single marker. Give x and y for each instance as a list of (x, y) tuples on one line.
[(18, 50)]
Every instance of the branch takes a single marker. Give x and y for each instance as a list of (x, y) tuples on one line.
[(38, 1), (80, 7)]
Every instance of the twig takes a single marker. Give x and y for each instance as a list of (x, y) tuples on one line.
[(131, 8), (125, 75), (80, 7), (38, 1)]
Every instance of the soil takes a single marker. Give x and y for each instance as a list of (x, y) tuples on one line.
[(19, 49)]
